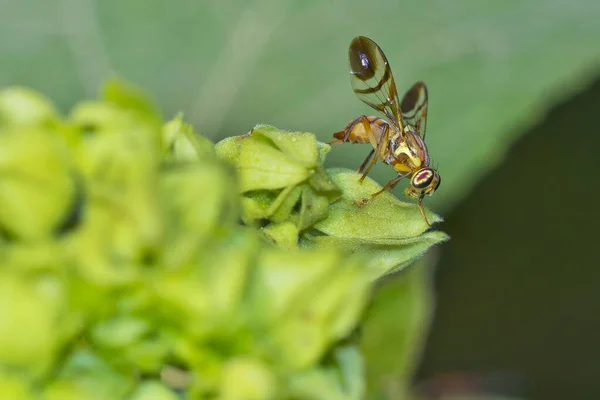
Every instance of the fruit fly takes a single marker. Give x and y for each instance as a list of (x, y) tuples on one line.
[(399, 138)]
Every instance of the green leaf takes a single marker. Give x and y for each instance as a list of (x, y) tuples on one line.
[(382, 256), (389, 233), (352, 367), (343, 379), (394, 330), (357, 215)]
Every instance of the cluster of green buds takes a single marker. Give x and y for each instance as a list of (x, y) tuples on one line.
[(295, 202), (140, 261)]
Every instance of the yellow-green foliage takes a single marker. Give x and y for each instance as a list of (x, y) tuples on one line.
[(140, 261)]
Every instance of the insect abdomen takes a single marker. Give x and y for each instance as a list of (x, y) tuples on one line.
[(355, 131)]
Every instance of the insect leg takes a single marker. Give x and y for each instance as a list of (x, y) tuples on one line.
[(364, 164), (391, 184), (420, 204), (380, 147)]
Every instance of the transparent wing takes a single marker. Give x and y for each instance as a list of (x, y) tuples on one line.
[(372, 80), (414, 107)]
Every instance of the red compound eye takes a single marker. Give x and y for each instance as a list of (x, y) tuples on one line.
[(423, 178)]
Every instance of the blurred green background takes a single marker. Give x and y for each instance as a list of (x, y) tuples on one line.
[(516, 284)]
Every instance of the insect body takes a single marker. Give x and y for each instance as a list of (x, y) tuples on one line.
[(398, 138)]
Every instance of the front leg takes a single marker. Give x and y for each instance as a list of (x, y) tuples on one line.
[(391, 184), (422, 209)]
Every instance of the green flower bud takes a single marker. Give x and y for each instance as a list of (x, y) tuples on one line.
[(37, 257), (116, 146), (335, 306), (24, 107), (263, 166), (341, 380), (203, 297), (282, 207), (123, 247), (37, 189), (196, 200), (131, 342), (313, 208), (15, 388), (31, 312), (110, 247), (205, 365), (323, 149), (120, 332), (258, 206), (118, 155), (303, 330), (283, 234), (227, 271), (86, 376), (181, 143), (153, 390), (228, 149), (247, 379), (280, 175), (130, 98), (300, 146)]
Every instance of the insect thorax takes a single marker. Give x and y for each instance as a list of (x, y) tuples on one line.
[(408, 149)]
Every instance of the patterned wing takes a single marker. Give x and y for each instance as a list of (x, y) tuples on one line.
[(372, 80), (414, 107)]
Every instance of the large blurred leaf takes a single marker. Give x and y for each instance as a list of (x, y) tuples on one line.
[(492, 67), (395, 328)]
